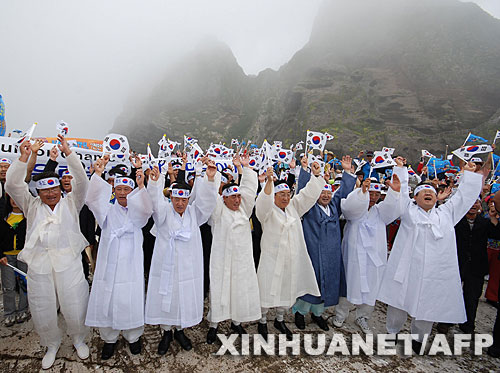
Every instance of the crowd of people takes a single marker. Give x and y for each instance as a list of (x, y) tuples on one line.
[(156, 245)]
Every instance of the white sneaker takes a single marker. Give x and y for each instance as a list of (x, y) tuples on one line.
[(82, 351), (363, 324), (337, 322), (49, 358)]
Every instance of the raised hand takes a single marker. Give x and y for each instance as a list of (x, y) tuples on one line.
[(211, 170), (37, 145), (366, 185), (470, 166), (155, 173), (395, 184), (136, 161), (293, 163), (25, 149), (63, 146), (346, 163), (54, 153), (443, 194), (245, 159), (100, 165), (139, 177), (237, 160), (399, 161), (316, 169)]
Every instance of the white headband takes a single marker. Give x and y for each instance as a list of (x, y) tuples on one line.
[(327, 187), (180, 193), (422, 187), (375, 187), (176, 166), (66, 173), (231, 191), (281, 187), (125, 181), (223, 179), (5, 160), (47, 183)]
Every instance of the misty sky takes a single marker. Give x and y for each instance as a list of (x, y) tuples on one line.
[(79, 61)]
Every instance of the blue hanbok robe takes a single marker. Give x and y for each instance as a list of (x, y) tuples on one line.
[(323, 240)]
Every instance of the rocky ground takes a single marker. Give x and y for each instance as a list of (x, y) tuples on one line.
[(20, 352)]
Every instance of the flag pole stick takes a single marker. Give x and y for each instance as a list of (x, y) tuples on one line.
[(435, 171), (17, 270), (466, 139)]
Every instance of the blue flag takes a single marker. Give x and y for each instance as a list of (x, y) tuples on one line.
[(496, 165), (2, 117), (473, 139), (441, 166)]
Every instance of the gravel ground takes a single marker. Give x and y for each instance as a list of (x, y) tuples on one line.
[(20, 352)]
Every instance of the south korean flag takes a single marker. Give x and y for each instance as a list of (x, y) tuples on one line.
[(315, 140), (465, 153), (382, 159), (116, 146)]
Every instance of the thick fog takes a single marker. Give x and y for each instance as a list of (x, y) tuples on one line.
[(79, 61)]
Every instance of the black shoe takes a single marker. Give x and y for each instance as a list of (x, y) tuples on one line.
[(135, 348), (493, 303), (238, 329), (165, 342), (107, 350), (466, 328), (300, 321), (321, 322), (416, 346), (281, 326), (493, 351), (443, 328), (262, 330), (184, 341), (212, 335)]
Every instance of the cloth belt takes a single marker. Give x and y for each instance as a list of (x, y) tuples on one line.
[(367, 232), (168, 267), (111, 264), (404, 264)]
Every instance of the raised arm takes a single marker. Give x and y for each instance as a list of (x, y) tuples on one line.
[(265, 200), (140, 207), (248, 186), (356, 204), (206, 195), (304, 201), (80, 182), (390, 208), (158, 200), (14, 184), (466, 194)]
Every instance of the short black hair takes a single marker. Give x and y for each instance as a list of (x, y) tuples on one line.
[(45, 175), (181, 185), (117, 171)]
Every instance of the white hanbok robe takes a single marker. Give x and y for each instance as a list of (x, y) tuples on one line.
[(175, 286), (52, 252), (285, 270), (422, 275), (117, 295), (234, 288), (364, 246)]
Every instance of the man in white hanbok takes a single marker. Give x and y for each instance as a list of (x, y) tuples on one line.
[(116, 301), (364, 247), (285, 270), (175, 286), (53, 250), (234, 288), (422, 278)]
